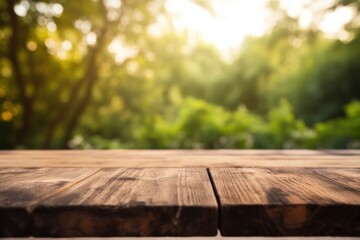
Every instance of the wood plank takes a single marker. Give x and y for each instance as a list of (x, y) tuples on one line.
[(181, 158), (21, 188), (132, 202), (218, 237), (288, 201)]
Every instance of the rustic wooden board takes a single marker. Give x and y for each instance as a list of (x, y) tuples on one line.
[(22, 188), (109, 202), (181, 158), (132, 202), (288, 201), (218, 237)]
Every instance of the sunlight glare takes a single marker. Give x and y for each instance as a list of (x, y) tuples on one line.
[(83, 26), (233, 20), (112, 3), (66, 45), (22, 8), (121, 52), (51, 27), (57, 9), (333, 23), (91, 38)]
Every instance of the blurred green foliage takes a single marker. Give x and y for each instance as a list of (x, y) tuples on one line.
[(202, 125), (63, 86)]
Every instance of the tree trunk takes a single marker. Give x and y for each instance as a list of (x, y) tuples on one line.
[(90, 78), (81, 106), (62, 113), (87, 82), (26, 101)]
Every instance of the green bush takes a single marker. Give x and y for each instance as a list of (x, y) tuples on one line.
[(201, 125), (341, 132)]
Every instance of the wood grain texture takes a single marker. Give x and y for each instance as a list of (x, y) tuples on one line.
[(22, 188), (288, 201), (85, 193), (132, 202), (181, 158), (109, 202)]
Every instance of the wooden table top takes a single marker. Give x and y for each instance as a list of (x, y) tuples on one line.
[(180, 158), (110, 193)]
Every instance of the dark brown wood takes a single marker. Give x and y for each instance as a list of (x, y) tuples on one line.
[(109, 202), (181, 158), (319, 195), (22, 188), (288, 201), (132, 202)]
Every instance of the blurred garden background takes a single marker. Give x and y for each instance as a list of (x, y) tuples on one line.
[(188, 74)]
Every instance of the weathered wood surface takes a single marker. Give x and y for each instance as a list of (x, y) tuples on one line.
[(218, 237), (181, 158), (288, 201), (150, 193), (22, 188), (109, 202)]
